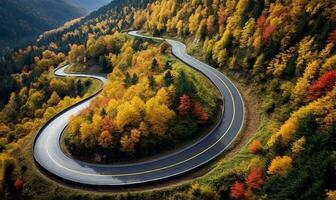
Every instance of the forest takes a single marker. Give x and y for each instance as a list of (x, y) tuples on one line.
[(284, 51), (22, 20), (150, 101)]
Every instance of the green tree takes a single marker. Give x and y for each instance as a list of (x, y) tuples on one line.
[(168, 79)]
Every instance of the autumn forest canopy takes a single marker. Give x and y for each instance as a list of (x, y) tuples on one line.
[(151, 101), (279, 53)]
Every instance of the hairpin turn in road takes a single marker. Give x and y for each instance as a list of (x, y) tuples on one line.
[(49, 156)]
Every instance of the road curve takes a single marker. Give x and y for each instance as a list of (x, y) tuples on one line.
[(49, 156)]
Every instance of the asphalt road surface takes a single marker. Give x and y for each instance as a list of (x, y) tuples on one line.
[(49, 156)]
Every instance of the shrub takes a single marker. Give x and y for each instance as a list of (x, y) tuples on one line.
[(238, 190), (254, 146)]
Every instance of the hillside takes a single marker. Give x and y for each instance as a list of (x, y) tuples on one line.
[(22, 20), (89, 5), (280, 52)]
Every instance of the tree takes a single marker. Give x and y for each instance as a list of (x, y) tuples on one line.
[(258, 65), (201, 31), (157, 116), (107, 124), (86, 136), (268, 32), (194, 22), (183, 86), (238, 190), (185, 105), (260, 21), (152, 82), (179, 28), (255, 178), (303, 83), (77, 54), (105, 139), (222, 16), (128, 143), (219, 49), (168, 79), (298, 145), (168, 66), (135, 79), (154, 66), (203, 192), (331, 194), (198, 111), (210, 25), (323, 85), (128, 80), (255, 146), (54, 99), (164, 47), (18, 184), (128, 114), (58, 86), (247, 33), (95, 48), (332, 37), (280, 165), (11, 109), (96, 123)]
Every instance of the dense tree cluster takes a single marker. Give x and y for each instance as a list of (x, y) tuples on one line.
[(150, 101), (41, 96), (285, 47)]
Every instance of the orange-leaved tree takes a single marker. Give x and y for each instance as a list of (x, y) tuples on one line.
[(255, 178), (254, 146), (260, 21), (238, 190), (200, 113), (18, 184), (268, 32)]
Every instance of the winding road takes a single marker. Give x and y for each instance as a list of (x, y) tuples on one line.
[(49, 156)]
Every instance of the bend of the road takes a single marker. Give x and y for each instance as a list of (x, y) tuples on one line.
[(49, 156)]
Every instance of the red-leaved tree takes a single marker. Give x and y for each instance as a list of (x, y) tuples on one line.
[(238, 190), (332, 37), (18, 184), (323, 85), (255, 178), (185, 105), (198, 111), (260, 21), (268, 32)]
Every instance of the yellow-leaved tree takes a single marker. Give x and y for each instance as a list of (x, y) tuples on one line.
[(157, 116), (280, 165), (105, 139)]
